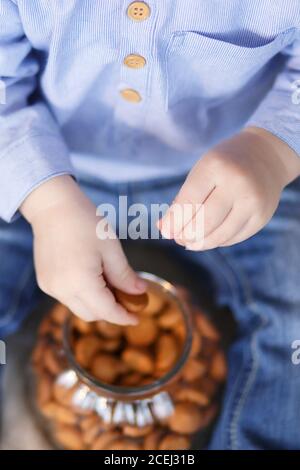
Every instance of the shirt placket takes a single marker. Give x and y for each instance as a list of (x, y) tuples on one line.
[(137, 31)]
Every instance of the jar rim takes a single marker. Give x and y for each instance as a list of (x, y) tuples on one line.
[(127, 392)]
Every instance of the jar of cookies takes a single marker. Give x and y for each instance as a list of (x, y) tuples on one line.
[(153, 386)]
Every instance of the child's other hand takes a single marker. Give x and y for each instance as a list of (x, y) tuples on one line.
[(72, 264), (237, 187)]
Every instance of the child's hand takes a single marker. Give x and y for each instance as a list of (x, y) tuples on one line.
[(237, 187), (72, 264)]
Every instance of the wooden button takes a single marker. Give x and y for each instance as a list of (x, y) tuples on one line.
[(135, 61), (131, 95), (138, 11)]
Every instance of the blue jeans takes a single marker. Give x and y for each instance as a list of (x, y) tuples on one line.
[(258, 279)]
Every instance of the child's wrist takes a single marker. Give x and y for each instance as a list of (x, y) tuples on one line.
[(58, 191), (279, 152)]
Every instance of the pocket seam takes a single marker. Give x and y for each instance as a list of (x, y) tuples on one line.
[(281, 38)]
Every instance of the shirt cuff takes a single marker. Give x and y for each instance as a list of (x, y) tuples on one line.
[(27, 164), (278, 115)]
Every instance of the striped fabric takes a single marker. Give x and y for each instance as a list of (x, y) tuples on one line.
[(212, 67)]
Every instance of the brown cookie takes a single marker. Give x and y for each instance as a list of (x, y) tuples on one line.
[(69, 437), (86, 348), (132, 303), (218, 367), (142, 334), (106, 368), (166, 352), (108, 330), (186, 419), (138, 360), (174, 442)]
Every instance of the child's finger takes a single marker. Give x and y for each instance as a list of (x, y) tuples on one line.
[(186, 204), (193, 232), (249, 229), (210, 216), (118, 272), (232, 224), (177, 217), (101, 304), (179, 242), (78, 308), (215, 210)]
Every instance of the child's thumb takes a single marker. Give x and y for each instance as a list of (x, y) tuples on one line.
[(187, 203), (119, 273)]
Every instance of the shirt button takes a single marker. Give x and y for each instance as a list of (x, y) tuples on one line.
[(138, 11), (135, 61), (131, 95)]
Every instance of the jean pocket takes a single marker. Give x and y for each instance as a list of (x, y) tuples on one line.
[(206, 69)]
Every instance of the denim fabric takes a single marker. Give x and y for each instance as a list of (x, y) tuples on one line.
[(258, 279)]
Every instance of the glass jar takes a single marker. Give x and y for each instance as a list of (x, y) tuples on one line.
[(99, 386)]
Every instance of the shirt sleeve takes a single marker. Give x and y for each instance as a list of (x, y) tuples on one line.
[(32, 149), (279, 112)]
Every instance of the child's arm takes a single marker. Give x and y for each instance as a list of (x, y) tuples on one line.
[(241, 179), (72, 264), (239, 183), (70, 260), (32, 149)]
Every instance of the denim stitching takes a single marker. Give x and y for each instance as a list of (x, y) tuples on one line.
[(251, 305), (246, 387), (227, 275), (227, 272), (13, 309)]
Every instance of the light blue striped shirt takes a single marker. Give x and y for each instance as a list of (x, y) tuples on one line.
[(212, 67)]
